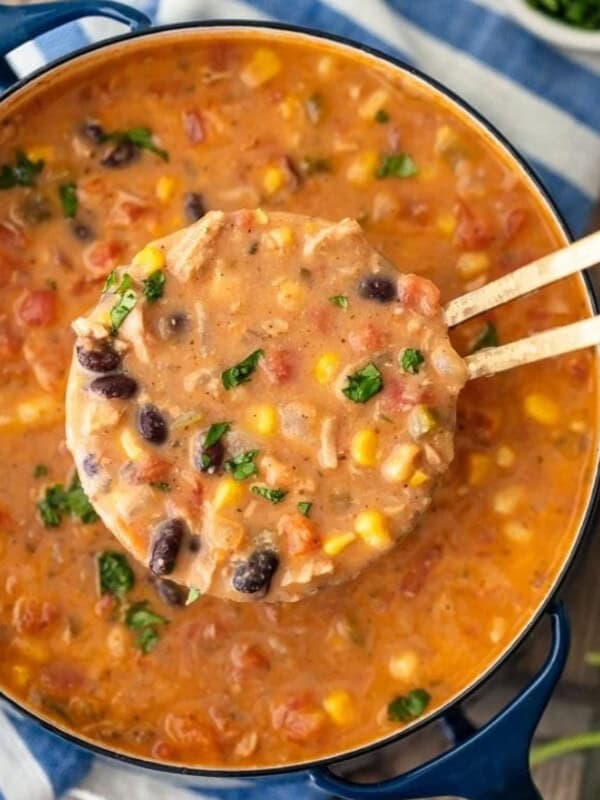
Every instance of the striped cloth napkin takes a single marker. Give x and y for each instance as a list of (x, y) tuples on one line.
[(543, 100)]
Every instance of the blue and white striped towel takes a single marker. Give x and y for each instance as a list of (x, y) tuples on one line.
[(544, 101)]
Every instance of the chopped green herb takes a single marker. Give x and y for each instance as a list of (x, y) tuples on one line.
[(154, 286), (240, 373), (161, 486), (68, 197), (23, 173), (339, 300), (411, 360), (304, 508), (382, 116), (408, 707), (578, 13), (364, 384), (216, 432), (314, 165), (145, 623), (399, 165), (128, 299), (57, 502), (314, 108), (193, 595), (40, 471), (209, 459), (487, 337), (242, 466), (111, 280), (140, 137), (115, 575), (272, 495)]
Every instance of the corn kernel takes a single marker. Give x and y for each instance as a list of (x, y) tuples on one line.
[(336, 542), (288, 107), (39, 411), (261, 216), (445, 140), (325, 66), (446, 224), (541, 408), (262, 67), (263, 419), (35, 649), (282, 237), (229, 492), (421, 421), (398, 466), (273, 179), (129, 443), (472, 265), (327, 367), (21, 675), (505, 456), (363, 168), (403, 667), (165, 188), (42, 153), (372, 527), (497, 629), (517, 531), (478, 468), (364, 447), (507, 500), (340, 707), (577, 426), (150, 258), (373, 103), (291, 295), (418, 478)]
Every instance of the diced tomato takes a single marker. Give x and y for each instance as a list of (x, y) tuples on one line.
[(277, 365), (246, 657), (196, 496), (60, 679), (514, 221), (193, 125), (473, 231), (320, 318), (37, 307), (11, 236), (414, 580), (366, 339), (480, 425), (299, 534), (127, 209), (152, 469), (105, 607), (298, 718), (187, 730), (31, 615), (100, 257), (400, 395), (419, 294)]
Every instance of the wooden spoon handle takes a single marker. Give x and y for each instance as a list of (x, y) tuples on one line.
[(574, 258), (580, 334)]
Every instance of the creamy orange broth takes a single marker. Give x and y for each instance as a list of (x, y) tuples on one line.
[(221, 683)]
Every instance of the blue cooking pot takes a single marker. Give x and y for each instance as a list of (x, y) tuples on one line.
[(490, 763)]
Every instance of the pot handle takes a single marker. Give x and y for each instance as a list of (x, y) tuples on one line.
[(19, 24), (491, 763)]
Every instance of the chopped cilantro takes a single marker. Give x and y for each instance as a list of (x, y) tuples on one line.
[(304, 508), (23, 173), (68, 197), (364, 384), (487, 337), (408, 707), (411, 360), (57, 502), (161, 486), (399, 165), (240, 373), (215, 433), (145, 623), (40, 471), (127, 301), (115, 575), (154, 286), (140, 138), (242, 466), (382, 116), (211, 456), (272, 495), (193, 595), (339, 300), (111, 281)]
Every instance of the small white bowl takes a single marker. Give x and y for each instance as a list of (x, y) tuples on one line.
[(554, 31)]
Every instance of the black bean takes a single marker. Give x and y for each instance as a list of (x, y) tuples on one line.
[(194, 544), (376, 287), (93, 131), (208, 459), (103, 360), (82, 231), (165, 546), (90, 465), (152, 425), (193, 205), (119, 154), (111, 386), (255, 574), (170, 592)]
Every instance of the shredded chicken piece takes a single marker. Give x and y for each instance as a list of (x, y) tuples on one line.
[(188, 253), (347, 227), (132, 330), (328, 458), (100, 415)]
